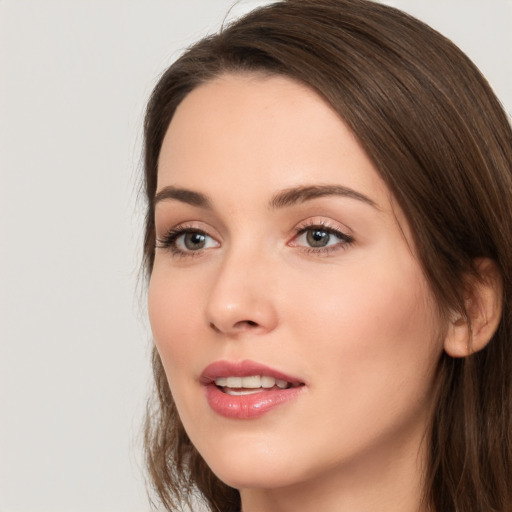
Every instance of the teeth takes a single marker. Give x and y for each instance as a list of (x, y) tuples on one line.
[(234, 382), (267, 382), (281, 384), (239, 392), (252, 382)]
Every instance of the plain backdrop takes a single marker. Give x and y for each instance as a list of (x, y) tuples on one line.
[(74, 342)]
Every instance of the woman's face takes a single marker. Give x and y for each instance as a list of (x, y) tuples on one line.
[(297, 330)]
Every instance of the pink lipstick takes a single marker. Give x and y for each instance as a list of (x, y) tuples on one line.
[(246, 389)]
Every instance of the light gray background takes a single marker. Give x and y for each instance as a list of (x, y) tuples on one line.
[(74, 77)]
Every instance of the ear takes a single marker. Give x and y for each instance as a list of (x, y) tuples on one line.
[(483, 301)]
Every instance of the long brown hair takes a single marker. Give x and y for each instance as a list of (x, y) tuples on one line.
[(441, 141)]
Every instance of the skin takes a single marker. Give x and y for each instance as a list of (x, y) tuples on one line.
[(355, 321)]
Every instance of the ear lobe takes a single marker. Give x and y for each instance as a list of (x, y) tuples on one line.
[(483, 301)]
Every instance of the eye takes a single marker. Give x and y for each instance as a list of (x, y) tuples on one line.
[(184, 241), (320, 238), (192, 241)]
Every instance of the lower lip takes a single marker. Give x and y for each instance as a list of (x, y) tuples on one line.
[(244, 407)]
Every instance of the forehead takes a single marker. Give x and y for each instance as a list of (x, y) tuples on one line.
[(261, 132)]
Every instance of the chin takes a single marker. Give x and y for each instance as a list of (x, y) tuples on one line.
[(251, 477), (244, 463)]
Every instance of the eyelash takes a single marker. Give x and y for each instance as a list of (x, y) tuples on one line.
[(345, 240), (169, 240)]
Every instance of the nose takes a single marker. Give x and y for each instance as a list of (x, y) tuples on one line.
[(241, 299)]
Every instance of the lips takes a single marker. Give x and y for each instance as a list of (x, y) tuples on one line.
[(247, 389)]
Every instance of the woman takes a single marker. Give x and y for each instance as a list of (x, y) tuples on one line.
[(328, 243)]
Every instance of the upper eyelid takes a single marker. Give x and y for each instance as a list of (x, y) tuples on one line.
[(331, 230), (324, 223), (182, 230), (321, 225), (188, 225)]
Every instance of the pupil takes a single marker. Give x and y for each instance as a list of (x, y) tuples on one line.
[(194, 241), (318, 238)]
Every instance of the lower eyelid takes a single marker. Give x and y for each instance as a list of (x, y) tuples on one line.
[(325, 251)]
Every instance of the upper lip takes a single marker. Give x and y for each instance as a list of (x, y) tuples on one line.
[(244, 368)]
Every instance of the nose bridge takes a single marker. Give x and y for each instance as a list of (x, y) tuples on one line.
[(241, 296)]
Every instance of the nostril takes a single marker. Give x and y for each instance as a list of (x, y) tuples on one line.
[(245, 324), (214, 327), (239, 326)]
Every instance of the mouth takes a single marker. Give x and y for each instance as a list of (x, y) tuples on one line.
[(239, 386), (246, 389)]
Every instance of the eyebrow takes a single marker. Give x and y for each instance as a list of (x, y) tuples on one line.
[(296, 195), (287, 197), (183, 195)]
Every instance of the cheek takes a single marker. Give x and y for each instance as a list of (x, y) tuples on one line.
[(379, 322), (370, 348), (173, 308)]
